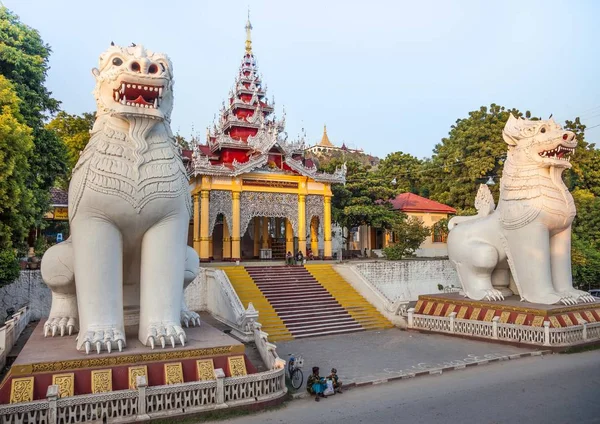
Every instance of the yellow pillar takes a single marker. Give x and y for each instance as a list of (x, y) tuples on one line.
[(314, 236), (302, 223), (236, 253), (386, 238), (289, 237), (204, 239), (265, 232), (196, 228), (327, 227), (256, 236), (226, 241)]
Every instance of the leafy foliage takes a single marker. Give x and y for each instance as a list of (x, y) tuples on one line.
[(16, 143), (74, 131), (473, 151), (586, 240), (9, 266), (411, 232), (404, 171), (24, 62), (364, 199)]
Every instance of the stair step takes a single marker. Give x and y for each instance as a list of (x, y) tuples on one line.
[(323, 331), (304, 324)]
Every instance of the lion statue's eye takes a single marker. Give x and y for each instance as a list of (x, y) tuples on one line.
[(543, 130), (117, 61)]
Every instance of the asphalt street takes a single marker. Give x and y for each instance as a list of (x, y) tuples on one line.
[(547, 389)]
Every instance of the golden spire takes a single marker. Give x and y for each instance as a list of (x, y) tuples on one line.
[(248, 35), (325, 139)]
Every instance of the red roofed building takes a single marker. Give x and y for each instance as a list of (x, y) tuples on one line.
[(427, 210)]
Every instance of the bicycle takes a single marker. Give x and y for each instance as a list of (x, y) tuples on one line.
[(295, 364)]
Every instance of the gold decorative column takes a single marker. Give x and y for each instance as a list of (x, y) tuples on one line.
[(314, 236), (196, 222), (302, 223), (236, 253), (289, 237), (226, 241), (256, 236), (204, 238), (265, 232), (327, 227)]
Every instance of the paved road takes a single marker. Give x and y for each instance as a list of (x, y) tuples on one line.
[(376, 355), (548, 389)]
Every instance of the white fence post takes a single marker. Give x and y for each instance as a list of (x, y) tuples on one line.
[(142, 385), (220, 375), (546, 333), (584, 323), (495, 327), (52, 396), (452, 317), (411, 313)]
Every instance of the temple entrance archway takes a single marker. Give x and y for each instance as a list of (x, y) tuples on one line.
[(274, 236)]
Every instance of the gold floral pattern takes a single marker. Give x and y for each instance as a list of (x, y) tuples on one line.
[(134, 372), (475, 313), (65, 383), (538, 321), (205, 369), (101, 381), (462, 312), (173, 373), (237, 366), (520, 320), (489, 315), (21, 390), (504, 316)]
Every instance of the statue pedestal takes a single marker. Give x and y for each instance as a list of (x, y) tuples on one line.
[(510, 320), (511, 310), (43, 359)]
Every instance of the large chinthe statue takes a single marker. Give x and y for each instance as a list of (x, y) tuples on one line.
[(129, 211), (528, 235)]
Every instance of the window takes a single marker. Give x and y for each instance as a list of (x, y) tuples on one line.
[(440, 235)]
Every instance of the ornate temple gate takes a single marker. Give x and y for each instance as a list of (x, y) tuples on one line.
[(247, 200)]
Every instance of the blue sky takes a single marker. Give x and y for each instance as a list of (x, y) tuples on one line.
[(384, 76)]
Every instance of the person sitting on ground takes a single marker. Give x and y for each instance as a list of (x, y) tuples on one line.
[(337, 384), (315, 384), (299, 257), (289, 258), (309, 254)]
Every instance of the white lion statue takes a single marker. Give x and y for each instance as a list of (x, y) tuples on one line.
[(528, 236), (129, 212)]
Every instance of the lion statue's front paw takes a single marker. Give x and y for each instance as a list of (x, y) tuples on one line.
[(579, 296), (190, 317), (161, 332), (107, 337)]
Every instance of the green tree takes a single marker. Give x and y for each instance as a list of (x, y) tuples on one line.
[(24, 61), (74, 131), (404, 172), (586, 240), (16, 201), (364, 199), (410, 232), (585, 171), (473, 152)]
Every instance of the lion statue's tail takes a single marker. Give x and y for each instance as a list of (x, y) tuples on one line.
[(484, 203)]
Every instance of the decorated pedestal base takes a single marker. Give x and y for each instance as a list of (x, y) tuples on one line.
[(509, 320), (53, 361)]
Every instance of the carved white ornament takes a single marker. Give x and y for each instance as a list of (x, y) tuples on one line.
[(253, 204), (220, 202), (528, 236)]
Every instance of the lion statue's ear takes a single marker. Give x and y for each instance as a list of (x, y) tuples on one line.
[(511, 131), (95, 72)]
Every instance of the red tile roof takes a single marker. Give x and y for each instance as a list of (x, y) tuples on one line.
[(409, 202)]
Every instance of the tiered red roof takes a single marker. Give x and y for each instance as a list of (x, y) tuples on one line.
[(247, 137), (410, 202)]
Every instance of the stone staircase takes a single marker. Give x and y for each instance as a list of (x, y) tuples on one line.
[(297, 301)]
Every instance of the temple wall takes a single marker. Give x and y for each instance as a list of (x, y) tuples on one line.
[(408, 279), (28, 289)]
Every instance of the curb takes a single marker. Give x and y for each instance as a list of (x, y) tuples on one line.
[(432, 371)]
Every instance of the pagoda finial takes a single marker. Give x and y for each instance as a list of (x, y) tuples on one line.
[(325, 139), (248, 35)]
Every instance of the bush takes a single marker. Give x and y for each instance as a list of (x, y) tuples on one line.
[(9, 266), (410, 233)]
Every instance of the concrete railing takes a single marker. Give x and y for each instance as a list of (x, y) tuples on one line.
[(212, 292), (10, 332), (267, 350), (584, 332), (392, 310), (148, 403)]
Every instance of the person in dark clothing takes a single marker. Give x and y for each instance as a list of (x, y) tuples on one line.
[(315, 384)]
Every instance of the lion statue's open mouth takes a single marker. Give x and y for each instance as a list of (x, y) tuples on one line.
[(139, 95)]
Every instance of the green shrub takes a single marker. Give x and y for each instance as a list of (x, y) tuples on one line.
[(9, 266)]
